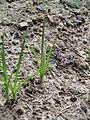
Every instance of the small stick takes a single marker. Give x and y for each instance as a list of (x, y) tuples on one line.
[(63, 110)]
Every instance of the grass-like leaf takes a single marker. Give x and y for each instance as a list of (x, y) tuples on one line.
[(6, 81), (43, 65), (34, 53), (3, 60), (3, 67), (43, 48), (26, 80), (0, 67), (11, 87), (44, 60), (1, 79), (18, 68)]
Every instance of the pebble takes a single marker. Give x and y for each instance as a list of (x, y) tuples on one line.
[(23, 25), (80, 20), (73, 98), (85, 41), (85, 28), (79, 17), (20, 111), (41, 8), (15, 42)]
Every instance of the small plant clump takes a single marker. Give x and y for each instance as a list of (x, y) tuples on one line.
[(43, 62), (11, 87)]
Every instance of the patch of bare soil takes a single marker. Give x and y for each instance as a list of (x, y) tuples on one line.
[(63, 94)]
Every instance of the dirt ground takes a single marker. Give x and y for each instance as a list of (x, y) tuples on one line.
[(63, 93)]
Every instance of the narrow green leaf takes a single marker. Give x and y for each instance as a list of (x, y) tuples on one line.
[(9, 84), (43, 49), (3, 60), (1, 67), (1, 79), (2, 87), (45, 67), (34, 53), (18, 65), (26, 80), (43, 52), (13, 71), (43, 56), (48, 58)]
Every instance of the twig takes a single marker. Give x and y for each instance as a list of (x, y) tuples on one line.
[(62, 111)]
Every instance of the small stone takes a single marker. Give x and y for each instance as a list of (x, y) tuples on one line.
[(62, 89), (80, 20), (9, 51), (20, 111), (79, 17), (85, 28), (12, 32), (31, 35), (15, 42), (61, 92), (85, 41), (73, 98), (41, 8), (9, 1), (84, 108), (23, 25)]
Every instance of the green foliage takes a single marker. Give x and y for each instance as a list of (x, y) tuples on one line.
[(11, 87), (43, 62)]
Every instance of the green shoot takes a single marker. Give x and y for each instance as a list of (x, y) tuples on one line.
[(17, 71), (43, 63), (11, 87), (7, 84), (34, 53), (26, 80), (3, 67)]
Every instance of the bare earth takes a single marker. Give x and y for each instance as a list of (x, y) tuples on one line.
[(63, 93)]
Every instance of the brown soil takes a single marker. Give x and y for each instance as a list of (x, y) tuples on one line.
[(63, 93)]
